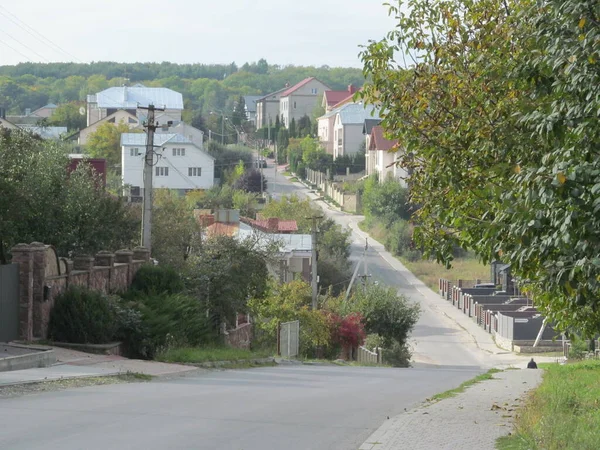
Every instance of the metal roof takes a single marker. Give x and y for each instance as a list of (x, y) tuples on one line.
[(357, 113), (139, 139), (47, 132), (127, 97), (250, 101)]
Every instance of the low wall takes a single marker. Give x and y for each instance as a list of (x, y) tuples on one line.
[(348, 202), (241, 337), (43, 276)]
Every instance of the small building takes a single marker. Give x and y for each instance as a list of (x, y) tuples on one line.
[(179, 164), (250, 107)]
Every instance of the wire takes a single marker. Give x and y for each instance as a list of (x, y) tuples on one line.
[(27, 47), (31, 31), (14, 49)]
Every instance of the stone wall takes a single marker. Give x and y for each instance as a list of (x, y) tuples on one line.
[(42, 280)]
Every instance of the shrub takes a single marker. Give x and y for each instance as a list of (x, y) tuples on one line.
[(399, 238), (397, 355), (151, 279), (81, 316)]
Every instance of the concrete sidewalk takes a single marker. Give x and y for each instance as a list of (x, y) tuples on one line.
[(473, 419), (75, 364)]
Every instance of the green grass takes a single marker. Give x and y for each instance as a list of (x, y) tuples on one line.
[(294, 179), (562, 413), (195, 355), (287, 173), (489, 375)]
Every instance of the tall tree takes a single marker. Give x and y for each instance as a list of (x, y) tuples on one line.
[(497, 116), (283, 139), (292, 132), (239, 112), (67, 115)]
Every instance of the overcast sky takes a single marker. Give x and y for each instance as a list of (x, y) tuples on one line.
[(299, 32)]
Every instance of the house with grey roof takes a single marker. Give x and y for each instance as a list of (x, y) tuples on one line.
[(129, 98), (250, 107), (179, 164), (346, 134)]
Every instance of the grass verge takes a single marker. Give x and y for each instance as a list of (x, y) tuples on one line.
[(562, 413), (194, 355), (489, 375)]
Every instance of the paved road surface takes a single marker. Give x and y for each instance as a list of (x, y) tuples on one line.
[(286, 407)]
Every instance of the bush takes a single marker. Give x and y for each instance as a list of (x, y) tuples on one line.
[(399, 238), (397, 355), (151, 279), (81, 316)]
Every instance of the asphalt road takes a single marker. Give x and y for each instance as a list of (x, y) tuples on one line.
[(285, 407)]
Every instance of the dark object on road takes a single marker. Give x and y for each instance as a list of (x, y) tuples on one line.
[(531, 364)]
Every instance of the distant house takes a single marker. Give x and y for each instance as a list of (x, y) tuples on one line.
[(325, 125), (382, 159), (293, 259), (193, 134), (367, 128), (300, 100), (333, 98), (250, 107), (4, 123), (129, 98), (46, 132), (44, 111), (117, 117), (348, 128), (267, 108), (180, 164)]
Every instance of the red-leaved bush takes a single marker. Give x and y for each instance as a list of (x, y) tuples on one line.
[(349, 331)]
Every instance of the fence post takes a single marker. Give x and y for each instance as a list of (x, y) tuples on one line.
[(23, 256)]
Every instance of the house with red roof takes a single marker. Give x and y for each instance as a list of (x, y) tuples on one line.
[(300, 100), (382, 157), (333, 98)]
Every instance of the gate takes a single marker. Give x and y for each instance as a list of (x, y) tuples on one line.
[(9, 302), (289, 339)]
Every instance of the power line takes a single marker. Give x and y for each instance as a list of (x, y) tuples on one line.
[(27, 47), (14, 49), (37, 35)]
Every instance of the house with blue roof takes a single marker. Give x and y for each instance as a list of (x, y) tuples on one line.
[(348, 126), (179, 164)]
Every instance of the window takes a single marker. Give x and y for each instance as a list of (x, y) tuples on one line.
[(313, 90), (294, 105), (162, 171), (194, 171), (179, 152), (131, 120), (134, 152), (111, 120)]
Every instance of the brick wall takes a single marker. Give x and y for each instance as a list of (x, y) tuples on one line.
[(41, 280)]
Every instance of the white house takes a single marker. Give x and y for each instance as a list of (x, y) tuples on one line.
[(128, 98), (250, 107), (348, 128), (325, 130), (179, 164), (193, 134), (382, 158)]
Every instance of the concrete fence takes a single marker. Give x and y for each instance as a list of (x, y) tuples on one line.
[(348, 202), (364, 355)]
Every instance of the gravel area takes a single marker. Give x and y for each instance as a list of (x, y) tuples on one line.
[(474, 419)]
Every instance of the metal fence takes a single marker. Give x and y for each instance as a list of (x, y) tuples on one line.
[(289, 339), (9, 302)]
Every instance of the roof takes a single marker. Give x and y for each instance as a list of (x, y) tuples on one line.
[(357, 113), (250, 101), (334, 97), (47, 132), (223, 229), (49, 106), (347, 99), (379, 141), (274, 224), (126, 97), (272, 93), (297, 86), (139, 139), (369, 124)]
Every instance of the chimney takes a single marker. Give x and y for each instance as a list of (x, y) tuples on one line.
[(273, 224), (27, 111), (351, 89), (287, 85)]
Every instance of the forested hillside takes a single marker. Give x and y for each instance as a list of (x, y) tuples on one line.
[(204, 87)]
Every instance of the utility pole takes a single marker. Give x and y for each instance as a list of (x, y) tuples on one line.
[(148, 166), (222, 129), (314, 277), (366, 269)]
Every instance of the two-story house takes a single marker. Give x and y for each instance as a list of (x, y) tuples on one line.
[(267, 108), (382, 157), (193, 134), (300, 100), (179, 164), (129, 98), (348, 138)]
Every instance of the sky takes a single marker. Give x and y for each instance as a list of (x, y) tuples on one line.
[(299, 32)]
